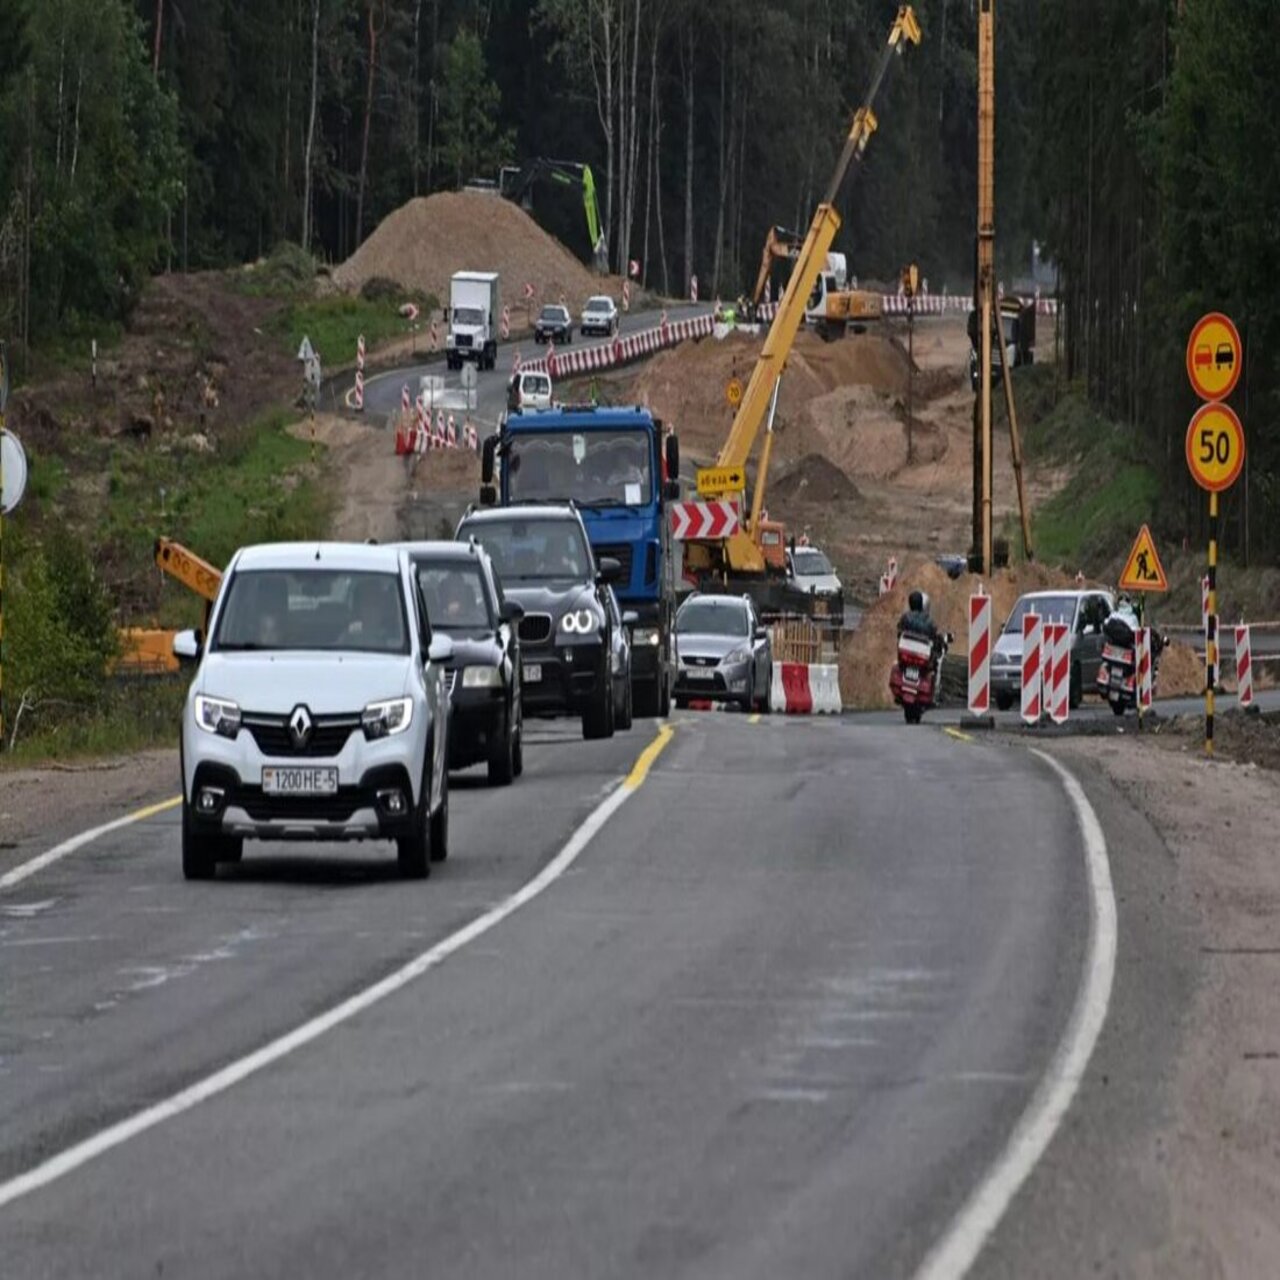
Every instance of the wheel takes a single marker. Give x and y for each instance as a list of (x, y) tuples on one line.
[(413, 851), (745, 704), (597, 722), (1075, 694), (912, 712), (439, 842), (664, 697), (517, 752), (232, 849), (1118, 707), (624, 720), (762, 703), (682, 704), (502, 753), (1004, 701), (199, 850)]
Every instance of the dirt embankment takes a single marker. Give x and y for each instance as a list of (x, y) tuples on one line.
[(424, 242)]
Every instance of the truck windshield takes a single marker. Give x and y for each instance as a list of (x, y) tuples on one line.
[(533, 550), (468, 315), (273, 609), (594, 468)]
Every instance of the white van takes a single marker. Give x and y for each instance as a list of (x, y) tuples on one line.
[(529, 389)]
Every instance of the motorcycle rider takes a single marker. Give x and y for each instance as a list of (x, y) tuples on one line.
[(916, 619)]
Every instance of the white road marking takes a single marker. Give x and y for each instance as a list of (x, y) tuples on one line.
[(233, 1073), (958, 1249)]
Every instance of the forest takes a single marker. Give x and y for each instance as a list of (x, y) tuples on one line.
[(139, 136)]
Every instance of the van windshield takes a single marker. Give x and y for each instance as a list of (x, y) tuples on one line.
[(594, 468), (326, 609)]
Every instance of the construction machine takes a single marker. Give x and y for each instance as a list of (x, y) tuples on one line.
[(752, 558), (517, 185), (832, 308)]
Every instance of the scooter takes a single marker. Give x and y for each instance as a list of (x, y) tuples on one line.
[(1118, 670), (916, 678)]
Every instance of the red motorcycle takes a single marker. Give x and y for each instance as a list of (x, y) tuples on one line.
[(916, 678)]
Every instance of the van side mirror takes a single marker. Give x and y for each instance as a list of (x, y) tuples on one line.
[(610, 569), (673, 456), (187, 646), (440, 649)]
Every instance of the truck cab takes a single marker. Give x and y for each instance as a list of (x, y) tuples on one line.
[(474, 308), (613, 465)]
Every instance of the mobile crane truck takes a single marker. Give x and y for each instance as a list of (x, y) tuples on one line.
[(751, 559), (613, 464)]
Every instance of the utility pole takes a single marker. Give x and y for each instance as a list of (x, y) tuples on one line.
[(910, 287), (984, 283)]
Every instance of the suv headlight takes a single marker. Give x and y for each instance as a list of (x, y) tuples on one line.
[(386, 719), (217, 715), (646, 635), (581, 622), (735, 656), (481, 678)]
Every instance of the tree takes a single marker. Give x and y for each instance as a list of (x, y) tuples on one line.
[(471, 140)]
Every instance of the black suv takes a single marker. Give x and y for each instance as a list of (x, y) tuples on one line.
[(554, 323), (464, 601), (544, 560)]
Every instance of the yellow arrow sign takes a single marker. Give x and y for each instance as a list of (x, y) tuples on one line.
[(1143, 570), (714, 480)]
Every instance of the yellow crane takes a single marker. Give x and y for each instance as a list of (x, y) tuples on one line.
[(742, 555)]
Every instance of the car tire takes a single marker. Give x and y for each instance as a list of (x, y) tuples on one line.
[(517, 751), (1004, 701), (231, 849), (413, 851), (762, 702), (502, 756), (1118, 707), (912, 712), (199, 850), (597, 721), (1075, 694), (746, 704), (438, 843), (664, 697), (625, 719)]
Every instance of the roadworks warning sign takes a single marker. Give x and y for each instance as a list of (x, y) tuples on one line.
[(1143, 570)]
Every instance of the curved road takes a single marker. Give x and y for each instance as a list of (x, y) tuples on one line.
[(777, 1019)]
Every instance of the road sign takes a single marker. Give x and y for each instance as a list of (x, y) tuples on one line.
[(733, 392), (15, 471), (717, 480), (306, 352), (1143, 570), (1215, 447), (1214, 356), (704, 519)]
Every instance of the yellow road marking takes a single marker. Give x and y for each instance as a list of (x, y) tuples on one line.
[(150, 811), (754, 719), (957, 734), (640, 770)]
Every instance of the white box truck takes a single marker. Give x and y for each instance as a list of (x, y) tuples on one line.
[(474, 309)]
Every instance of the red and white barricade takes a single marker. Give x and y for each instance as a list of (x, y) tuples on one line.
[(1057, 668), (435, 333), (1032, 667), (422, 432), (889, 579), (505, 327), (358, 398), (470, 437), (626, 295), (980, 654), (693, 288), (404, 400), (1244, 667), (437, 434), (451, 433), (1143, 682)]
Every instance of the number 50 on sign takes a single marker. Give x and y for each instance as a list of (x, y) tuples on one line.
[(1215, 447)]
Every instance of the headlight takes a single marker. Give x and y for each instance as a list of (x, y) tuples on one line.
[(217, 715), (386, 719), (481, 678), (580, 622), (735, 656), (646, 635)]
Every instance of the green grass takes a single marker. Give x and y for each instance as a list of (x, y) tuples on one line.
[(334, 324)]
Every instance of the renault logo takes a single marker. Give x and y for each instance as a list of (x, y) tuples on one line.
[(300, 726)]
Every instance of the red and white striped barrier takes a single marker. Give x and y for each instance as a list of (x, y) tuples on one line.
[(1057, 668), (437, 436), (1143, 681), (980, 654), (528, 291), (693, 288), (622, 350), (505, 327), (626, 295), (1032, 659), (358, 399), (435, 333), (715, 518), (422, 433), (1244, 668), (404, 399), (515, 362), (889, 579), (470, 438), (451, 433)]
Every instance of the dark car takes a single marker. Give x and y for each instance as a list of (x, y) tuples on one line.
[(723, 651), (545, 563), (554, 323), (621, 661), (464, 601)]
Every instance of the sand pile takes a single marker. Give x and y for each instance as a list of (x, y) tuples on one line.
[(1181, 672), (424, 242), (815, 479), (867, 655)]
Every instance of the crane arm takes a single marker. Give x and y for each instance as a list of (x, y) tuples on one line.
[(188, 568), (811, 259)]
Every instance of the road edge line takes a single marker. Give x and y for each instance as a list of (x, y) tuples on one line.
[(960, 1245), (81, 1153), (24, 870)]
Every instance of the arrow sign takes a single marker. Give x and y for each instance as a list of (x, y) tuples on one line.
[(306, 352), (691, 521), (717, 480)]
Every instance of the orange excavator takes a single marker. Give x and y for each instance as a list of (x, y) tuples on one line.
[(148, 650), (832, 308)]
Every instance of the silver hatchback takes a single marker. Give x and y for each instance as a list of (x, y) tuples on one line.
[(723, 652)]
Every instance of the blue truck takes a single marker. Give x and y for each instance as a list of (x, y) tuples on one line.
[(613, 464)]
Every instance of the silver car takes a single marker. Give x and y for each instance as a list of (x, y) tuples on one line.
[(319, 709), (1083, 611), (723, 652)]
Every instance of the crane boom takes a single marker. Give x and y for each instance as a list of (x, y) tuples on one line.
[(742, 549), (188, 568)]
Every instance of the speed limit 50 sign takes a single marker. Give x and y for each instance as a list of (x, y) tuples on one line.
[(1215, 447)]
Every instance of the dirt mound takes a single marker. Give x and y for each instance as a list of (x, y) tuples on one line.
[(1181, 672), (867, 655), (815, 479), (424, 242)]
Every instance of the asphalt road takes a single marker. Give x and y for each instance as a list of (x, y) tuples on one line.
[(382, 391), (777, 1019)]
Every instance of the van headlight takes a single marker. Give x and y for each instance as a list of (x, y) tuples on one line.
[(581, 622), (386, 719), (217, 715), (481, 678)]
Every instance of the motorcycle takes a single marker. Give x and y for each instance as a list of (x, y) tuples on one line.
[(1118, 670), (915, 680)]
